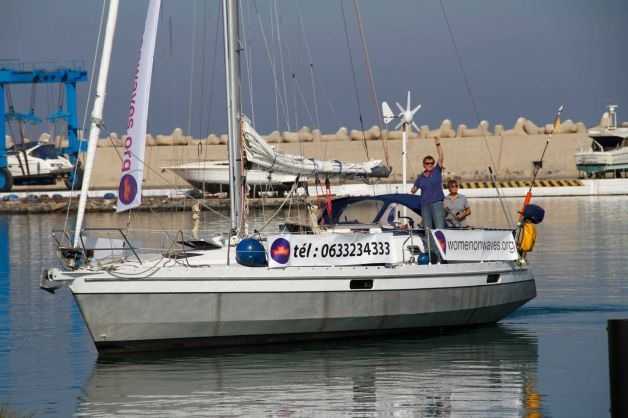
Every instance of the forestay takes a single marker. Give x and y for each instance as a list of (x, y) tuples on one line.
[(475, 245), (263, 156), (294, 250)]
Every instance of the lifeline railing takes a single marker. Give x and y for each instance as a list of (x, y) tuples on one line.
[(168, 243), (84, 250)]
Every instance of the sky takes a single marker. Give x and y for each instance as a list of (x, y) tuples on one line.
[(520, 58)]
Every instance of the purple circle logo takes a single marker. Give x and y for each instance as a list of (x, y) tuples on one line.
[(280, 251), (440, 237), (127, 189)]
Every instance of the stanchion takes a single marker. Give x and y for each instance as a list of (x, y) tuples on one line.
[(618, 366)]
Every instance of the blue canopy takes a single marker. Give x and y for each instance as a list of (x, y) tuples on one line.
[(339, 205)]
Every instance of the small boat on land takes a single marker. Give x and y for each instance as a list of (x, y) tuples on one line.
[(37, 163), (213, 177), (608, 152)]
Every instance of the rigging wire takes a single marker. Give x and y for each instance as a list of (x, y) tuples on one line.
[(369, 71), (355, 82), (54, 123), (248, 53), (299, 91), (507, 214), (314, 82), (310, 62), (200, 155), (163, 178), (278, 98), (195, 16), (20, 122), (203, 69), (217, 36), (276, 81), (296, 107), (192, 66), (93, 69), (87, 105), (281, 61), (11, 110)]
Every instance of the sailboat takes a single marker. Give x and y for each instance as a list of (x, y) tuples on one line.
[(351, 281), (213, 176)]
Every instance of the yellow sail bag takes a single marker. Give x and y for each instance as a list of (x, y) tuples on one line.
[(527, 238)]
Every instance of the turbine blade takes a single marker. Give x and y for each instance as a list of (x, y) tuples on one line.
[(416, 127), (416, 109), (408, 101), (398, 125), (401, 109), (387, 113)]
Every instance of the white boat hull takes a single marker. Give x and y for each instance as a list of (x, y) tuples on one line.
[(211, 175), (240, 305), (608, 151), (596, 161)]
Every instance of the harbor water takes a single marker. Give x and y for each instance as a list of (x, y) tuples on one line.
[(549, 358)]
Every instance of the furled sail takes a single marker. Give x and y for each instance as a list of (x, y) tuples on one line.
[(261, 155)]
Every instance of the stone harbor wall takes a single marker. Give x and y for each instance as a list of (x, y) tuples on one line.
[(466, 149), (468, 159)]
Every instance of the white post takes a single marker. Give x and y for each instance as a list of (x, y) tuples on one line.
[(404, 162), (99, 103)]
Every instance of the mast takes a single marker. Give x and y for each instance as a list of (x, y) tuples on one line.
[(232, 71), (96, 119)]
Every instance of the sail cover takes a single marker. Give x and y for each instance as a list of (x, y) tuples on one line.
[(263, 156), (130, 188)]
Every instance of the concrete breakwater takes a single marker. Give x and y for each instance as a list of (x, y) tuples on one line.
[(469, 151), (512, 157)]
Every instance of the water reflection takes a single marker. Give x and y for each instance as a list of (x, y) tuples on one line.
[(43, 344), (488, 371), (47, 357)]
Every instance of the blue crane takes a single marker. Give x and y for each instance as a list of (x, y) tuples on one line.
[(66, 76)]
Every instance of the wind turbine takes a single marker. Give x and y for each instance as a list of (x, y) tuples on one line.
[(405, 117)]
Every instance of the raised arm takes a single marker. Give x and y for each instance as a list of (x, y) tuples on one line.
[(440, 153)]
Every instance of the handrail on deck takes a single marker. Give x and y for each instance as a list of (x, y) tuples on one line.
[(84, 247)]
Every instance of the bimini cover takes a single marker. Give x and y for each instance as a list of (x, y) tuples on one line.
[(263, 156)]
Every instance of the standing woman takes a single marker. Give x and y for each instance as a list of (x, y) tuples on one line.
[(430, 182), (456, 207)]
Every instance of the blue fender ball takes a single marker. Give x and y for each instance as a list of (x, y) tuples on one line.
[(251, 253)]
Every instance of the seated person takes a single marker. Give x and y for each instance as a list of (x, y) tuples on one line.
[(456, 207)]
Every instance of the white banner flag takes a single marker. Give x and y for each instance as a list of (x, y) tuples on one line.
[(332, 250), (130, 188), (475, 245)]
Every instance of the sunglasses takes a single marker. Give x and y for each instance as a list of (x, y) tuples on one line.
[(453, 185), (428, 162)]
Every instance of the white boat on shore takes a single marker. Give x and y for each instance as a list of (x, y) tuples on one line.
[(37, 163), (213, 177), (609, 148), (347, 279)]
